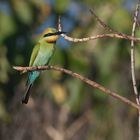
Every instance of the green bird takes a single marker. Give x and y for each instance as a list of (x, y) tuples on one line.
[(41, 55)]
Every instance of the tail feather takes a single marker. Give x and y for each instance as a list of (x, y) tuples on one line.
[(31, 78), (27, 94)]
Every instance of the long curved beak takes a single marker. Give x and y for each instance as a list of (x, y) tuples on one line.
[(60, 32)]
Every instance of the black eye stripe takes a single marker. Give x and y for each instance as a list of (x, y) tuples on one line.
[(49, 34)]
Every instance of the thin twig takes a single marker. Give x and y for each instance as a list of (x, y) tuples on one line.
[(133, 56), (82, 78), (101, 22), (111, 35), (133, 62), (106, 26), (132, 45)]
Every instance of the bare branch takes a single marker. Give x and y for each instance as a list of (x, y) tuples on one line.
[(82, 78), (53, 133), (59, 24), (111, 35), (133, 56), (101, 22), (106, 26), (133, 61)]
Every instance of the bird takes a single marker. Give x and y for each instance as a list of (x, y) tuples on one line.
[(41, 55)]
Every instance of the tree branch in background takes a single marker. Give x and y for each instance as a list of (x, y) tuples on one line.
[(107, 27), (101, 22), (111, 35), (70, 131), (133, 62), (133, 55), (82, 78)]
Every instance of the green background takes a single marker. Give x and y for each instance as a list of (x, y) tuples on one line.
[(58, 100)]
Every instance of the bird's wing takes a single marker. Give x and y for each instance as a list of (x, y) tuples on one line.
[(34, 54)]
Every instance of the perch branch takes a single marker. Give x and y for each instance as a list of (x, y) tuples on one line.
[(85, 80)]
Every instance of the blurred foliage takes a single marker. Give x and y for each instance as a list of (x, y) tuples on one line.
[(57, 97)]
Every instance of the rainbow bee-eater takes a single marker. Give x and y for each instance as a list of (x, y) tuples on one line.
[(41, 55)]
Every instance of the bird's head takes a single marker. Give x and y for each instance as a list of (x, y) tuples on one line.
[(51, 35)]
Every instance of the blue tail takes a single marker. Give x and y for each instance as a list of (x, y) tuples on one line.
[(31, 78)]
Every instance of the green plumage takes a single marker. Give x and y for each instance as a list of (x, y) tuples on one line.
[(40, 56)]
